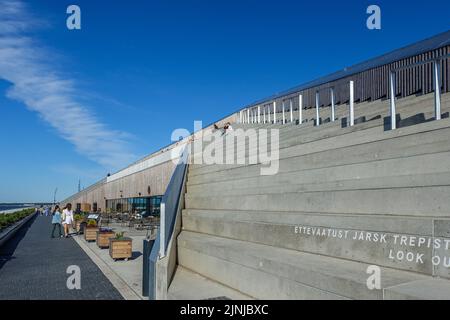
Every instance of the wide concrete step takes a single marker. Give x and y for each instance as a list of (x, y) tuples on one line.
[(266, 272), (188, 285), (334, 152), (420, 201), (412, 108), (420, 170), (337, 235), (320, 142), (290, 135), (429, 289), (387, 182)]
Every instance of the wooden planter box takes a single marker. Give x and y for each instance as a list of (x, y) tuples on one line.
[(120, 249), (90, 233), (103, 238)]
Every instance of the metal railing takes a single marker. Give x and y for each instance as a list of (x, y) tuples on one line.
[(436, 83), (351, 86), (170, 206), (253, 115), (249, 115)]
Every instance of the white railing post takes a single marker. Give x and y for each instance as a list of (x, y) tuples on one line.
[(300, 109), (290, 107), (268, 113), (392, 96), (162, 230), (274, 112), (317, 109), (264, 115), (333, 105), (352, 103), (437, 90), (259, 114), (248, 116), (284, 118)]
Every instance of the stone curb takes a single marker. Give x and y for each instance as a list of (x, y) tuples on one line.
[(10, 231)]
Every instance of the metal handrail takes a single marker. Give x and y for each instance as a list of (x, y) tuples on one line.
[(437, 87), (170, 201), (169, 208)]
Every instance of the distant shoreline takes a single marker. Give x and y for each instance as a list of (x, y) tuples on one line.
[(12, 208)]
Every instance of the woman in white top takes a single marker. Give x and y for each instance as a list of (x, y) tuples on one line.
[(67, 219)]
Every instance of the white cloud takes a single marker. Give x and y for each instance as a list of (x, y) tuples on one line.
[(38, 84)]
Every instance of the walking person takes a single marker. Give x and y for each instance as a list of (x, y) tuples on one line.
[(67, 218), (56, 221)]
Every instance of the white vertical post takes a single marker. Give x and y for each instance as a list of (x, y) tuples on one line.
[(264, 115), (162, 230), (284, 118), (437, 90), (292, 114), (352, 103), (392, 96), (317, 109), (259, 114), (274, 112), (300, 109), (268, 113), (333, 106), (248, 116)]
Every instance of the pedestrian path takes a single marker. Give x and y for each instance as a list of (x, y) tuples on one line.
[(34, 266)]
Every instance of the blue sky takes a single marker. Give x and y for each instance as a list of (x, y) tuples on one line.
[(79, 104)]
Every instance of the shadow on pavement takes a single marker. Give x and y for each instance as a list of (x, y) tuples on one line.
[(8, 249)]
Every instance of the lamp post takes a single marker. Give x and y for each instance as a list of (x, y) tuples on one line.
[(54, 196)]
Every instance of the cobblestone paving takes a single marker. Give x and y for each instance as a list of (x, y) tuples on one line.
[(33, 266)]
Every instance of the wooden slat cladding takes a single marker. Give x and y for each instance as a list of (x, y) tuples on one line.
[(373, 84)]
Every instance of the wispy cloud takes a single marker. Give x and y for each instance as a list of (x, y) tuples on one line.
[(37, 83)]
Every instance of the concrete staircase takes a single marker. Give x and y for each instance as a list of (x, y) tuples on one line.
[(345, 198)]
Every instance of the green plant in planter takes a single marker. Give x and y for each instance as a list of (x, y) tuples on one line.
[(78, 217), (91, 223), (120, 235), (11, 218)]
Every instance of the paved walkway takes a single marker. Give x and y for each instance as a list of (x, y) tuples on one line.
[(33, 266)]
